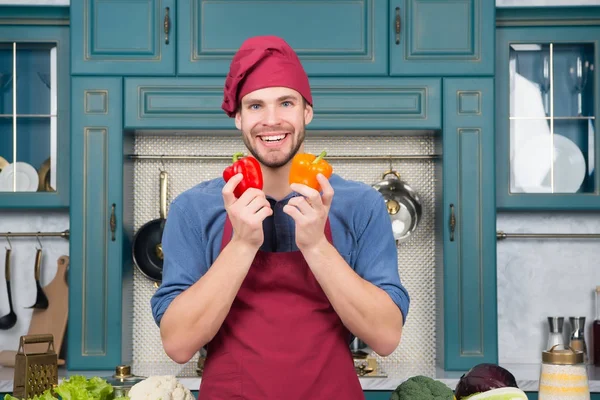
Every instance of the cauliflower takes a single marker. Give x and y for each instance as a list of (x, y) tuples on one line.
[(165, 387)]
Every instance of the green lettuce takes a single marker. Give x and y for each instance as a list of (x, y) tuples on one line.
[(79, 387), (46, 395), (76, 387)]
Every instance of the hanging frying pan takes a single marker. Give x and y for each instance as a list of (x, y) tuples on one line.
[(403, 204), (147, 248)]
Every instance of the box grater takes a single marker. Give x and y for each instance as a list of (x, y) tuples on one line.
[(35, 372)]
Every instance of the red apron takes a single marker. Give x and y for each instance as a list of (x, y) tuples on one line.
[(282, 339)]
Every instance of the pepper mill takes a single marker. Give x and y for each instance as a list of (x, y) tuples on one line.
[(555, 334), (577, 340)]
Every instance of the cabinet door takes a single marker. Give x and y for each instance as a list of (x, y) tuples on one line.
[(348, 104), (547, 146), (441, 37), (123, 37), (34, 117), (469, 221), (95, 276), (331, 37)]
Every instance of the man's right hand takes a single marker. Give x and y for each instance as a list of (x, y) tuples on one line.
[(246, 213), (195, 316)]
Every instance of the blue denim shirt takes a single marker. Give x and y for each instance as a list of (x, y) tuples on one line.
[(360, 227)]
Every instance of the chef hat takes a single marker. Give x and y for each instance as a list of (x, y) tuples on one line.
[(261, 62)]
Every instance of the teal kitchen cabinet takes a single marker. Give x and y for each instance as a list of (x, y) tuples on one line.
[(331, 37), (34, 111), (98, 248), (341, 104), (422, 41), (469, 223), (547, 88), (123, 37)]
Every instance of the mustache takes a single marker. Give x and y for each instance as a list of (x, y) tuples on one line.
[(283, 128)]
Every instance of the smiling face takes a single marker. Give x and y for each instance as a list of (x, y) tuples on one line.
[(273, 121)]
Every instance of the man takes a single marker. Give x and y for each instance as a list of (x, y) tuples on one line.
[(277, 281)]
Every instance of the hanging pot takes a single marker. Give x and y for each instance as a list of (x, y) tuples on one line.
[(357, 346), (147, 246), (403, 204)]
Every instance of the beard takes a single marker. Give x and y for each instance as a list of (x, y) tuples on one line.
[(275, 163)]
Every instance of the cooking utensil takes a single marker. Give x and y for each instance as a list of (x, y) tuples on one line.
[(147, 248), (555, 333), (577, 337), (403, 204), (10, 319), (358, 347), (52, 320), (41, 300), (35, 372)]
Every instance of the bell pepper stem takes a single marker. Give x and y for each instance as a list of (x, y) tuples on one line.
[(320, 157), (237, 155)]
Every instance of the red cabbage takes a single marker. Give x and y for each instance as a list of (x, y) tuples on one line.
[(481, 378)]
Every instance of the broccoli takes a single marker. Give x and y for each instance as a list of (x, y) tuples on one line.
[(422, 388)]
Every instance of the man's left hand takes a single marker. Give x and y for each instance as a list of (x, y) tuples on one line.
[(310, 212)]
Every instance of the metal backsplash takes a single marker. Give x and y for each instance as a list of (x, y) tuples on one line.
[(417, 351)]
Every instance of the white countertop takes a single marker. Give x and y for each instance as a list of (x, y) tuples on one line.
[(527, 376)]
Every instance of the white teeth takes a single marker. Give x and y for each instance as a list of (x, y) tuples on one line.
[(272, 138)]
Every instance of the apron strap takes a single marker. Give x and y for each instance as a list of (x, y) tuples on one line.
[(228, 232)]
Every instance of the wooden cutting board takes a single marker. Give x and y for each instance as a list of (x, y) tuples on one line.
[(52, 320)]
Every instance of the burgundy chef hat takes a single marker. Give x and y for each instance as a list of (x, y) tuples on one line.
[(261, 62)]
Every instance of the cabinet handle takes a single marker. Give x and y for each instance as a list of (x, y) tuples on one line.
[(113, 222), (452, 222), (398, 25), (167, 25)]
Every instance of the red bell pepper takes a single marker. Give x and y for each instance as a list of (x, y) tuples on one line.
[(305, 168), (247, 166)]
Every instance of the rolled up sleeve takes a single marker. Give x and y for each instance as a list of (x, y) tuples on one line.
[(377, 256), (183, 259)]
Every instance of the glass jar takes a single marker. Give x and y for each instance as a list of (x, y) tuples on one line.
[(123, 380), (563, 375)]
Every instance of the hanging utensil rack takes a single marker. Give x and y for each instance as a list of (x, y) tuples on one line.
[(228, 158), (501, 235), (64, 234)]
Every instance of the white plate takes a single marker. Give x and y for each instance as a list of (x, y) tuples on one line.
[(526, 102), (27, 178), (532, 165)]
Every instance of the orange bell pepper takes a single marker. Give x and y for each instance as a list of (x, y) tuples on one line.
[(306, 167)]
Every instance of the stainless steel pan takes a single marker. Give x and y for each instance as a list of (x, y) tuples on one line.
[(403, 204)]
